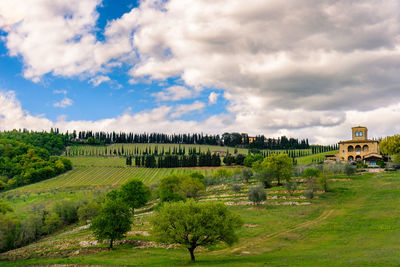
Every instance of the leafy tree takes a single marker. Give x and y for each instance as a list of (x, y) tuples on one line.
[(197, 175), (257, 194), (281, 165), (51, 223), (390, 145), (113, 221), (88, 211), (191, 187), (192, 224), (5, 207), (8, 232), (222, 173), (265, 176), (135, 194), (169, 188)]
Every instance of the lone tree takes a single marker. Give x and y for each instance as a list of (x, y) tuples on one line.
[(192, 224), (257, 194), (113, 221)]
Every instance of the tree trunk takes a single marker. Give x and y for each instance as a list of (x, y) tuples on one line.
[(111, 243), (191, 250)]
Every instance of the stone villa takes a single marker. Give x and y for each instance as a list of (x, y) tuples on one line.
[(359, 148)]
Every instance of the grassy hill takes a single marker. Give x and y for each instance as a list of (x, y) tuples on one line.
[(355, 224)]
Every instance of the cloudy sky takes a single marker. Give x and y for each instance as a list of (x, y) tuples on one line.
[(301, 68)]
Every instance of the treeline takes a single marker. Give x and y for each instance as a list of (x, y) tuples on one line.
[(22, 163), (227, 139), (174, 161)]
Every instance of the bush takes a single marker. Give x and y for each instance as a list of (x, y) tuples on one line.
[(257, 194), (323, 182), (309, 194), (67, 211), (350, 169), (291, 187), (247, 174), (236, 188)]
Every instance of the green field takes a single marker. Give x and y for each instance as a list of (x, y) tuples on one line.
[(355, 224), (108, 175), (314, 158)]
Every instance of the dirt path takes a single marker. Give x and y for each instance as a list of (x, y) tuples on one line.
[(321, 218)]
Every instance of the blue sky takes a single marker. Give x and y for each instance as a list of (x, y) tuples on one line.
[(306, 69), (90, 102)]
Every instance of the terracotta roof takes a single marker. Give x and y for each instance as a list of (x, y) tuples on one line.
[(359, 141)]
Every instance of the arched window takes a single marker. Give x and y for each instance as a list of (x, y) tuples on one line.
[(365, 148), (350, 158), (358, 158), (358, 148), (350, 149)]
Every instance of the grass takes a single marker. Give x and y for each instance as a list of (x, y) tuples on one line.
[(355, 224), (314, 158)]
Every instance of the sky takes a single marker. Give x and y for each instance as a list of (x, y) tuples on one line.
[(301, 68)]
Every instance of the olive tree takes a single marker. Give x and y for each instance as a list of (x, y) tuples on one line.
[(192, 224), (257, 194)]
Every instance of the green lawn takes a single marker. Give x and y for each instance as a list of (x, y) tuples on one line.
[(355, 224)]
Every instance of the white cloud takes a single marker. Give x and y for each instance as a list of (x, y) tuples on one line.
[(97, 80), (63, 92), (173, 93), (65, 102), (180, 110), (213, 98), (301, 67), (381, 122)]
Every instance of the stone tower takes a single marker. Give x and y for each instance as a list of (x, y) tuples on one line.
[(360, 133)]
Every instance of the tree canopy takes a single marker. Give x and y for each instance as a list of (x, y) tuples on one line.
[(113, 221), (281, 165), (193, 224)]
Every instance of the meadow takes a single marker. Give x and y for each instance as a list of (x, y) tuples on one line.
[(355, 223)]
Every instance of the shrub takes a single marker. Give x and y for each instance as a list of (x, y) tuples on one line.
[(349, 169), (67, 211), (257, 194), (236, 188), (309, 194), (291, 187), (247, 174)]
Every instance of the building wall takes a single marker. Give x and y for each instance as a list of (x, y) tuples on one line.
[(344, 152)]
